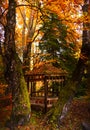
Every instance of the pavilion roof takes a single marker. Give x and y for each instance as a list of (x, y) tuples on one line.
[(47, 69)]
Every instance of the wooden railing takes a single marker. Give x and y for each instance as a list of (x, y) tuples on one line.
[(40, 101)]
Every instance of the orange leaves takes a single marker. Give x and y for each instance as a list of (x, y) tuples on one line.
[(57, 4), (78, 1), (69, 11), (4, 3), (3, 6), (66, 9), (2, 88)]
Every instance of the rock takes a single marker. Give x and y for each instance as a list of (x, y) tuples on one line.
[(85, 126)]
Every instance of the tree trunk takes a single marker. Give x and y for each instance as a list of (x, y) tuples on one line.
[(88, 80), (0, 49), (13, 72), (30, 37)]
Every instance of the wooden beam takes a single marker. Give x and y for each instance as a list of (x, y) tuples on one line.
[(31, 89), (28, 83)]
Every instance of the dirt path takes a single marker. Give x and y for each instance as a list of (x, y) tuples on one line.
[(78, 113)]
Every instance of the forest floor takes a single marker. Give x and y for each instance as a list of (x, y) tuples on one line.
[(79, 112)]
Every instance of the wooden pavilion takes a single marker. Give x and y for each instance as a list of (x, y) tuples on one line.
[(44, 97)]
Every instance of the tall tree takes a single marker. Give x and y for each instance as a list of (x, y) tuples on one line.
[(67, 94), (54, 42), (13, 71), (32, 24)]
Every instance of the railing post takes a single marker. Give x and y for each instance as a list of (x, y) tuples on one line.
[(45, 93), (28, 83)]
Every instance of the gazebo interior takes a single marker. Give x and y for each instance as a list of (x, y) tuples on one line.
[(44, 84)]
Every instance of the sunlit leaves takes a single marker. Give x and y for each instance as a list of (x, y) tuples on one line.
[(70, 12)]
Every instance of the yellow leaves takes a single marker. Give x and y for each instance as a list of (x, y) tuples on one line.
[(57, 5), (65, 9), (69, 11), (36, 65)]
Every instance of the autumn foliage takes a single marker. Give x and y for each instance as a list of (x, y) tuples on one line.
[(58, 24)]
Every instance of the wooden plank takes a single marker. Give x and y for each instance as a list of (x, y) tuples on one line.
[(49, 105), (37, 98), (28, 83), (38, 104), (46, 93), (41, 105), (39, 101), (53, 99)]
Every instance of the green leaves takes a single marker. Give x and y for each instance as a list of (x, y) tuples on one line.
[(54, 42)]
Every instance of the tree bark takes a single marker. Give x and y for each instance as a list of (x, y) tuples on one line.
[(88, 79), (13, 72)]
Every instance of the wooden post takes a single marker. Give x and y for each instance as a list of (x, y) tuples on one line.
[(28, 83), (31, 89), (45, 93)]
